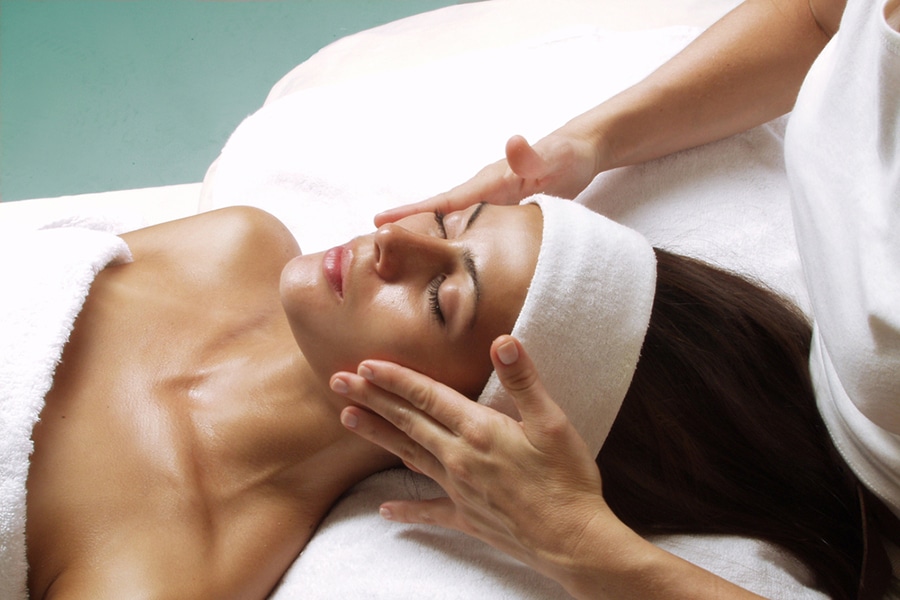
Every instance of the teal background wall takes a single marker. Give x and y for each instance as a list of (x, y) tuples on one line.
[(99, 95)]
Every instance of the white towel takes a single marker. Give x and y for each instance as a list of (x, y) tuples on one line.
[(586, 313), (356, 554), (324, 161), (46, 276), (727, 203)]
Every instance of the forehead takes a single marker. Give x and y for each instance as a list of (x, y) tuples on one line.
[(485, 219), (506, 247)]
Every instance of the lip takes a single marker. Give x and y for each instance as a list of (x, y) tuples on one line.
[(334, 267)]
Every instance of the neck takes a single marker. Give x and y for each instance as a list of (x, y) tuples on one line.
[(312, 454)]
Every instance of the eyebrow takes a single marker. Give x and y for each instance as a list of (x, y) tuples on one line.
[(474, 216), (469, 263)]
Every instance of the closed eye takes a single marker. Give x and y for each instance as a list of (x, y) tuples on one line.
[(435, 286), (439, 219), (433, 301)]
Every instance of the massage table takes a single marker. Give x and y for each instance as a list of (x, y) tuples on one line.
[(406, 110)]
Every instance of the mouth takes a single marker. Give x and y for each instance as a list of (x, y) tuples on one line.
[(333, 266)]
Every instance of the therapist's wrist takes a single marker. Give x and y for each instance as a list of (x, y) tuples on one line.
[(606, 131), (614, 562), (607, 561)]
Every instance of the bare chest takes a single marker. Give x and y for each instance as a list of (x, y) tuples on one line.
[(153, 453)]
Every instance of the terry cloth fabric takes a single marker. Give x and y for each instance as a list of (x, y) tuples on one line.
[(46, 276), (585, 315), (357, 554), (325, 156)]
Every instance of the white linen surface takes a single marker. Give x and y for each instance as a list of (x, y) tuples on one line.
[(356, 554), (325, 160), (46, 276)]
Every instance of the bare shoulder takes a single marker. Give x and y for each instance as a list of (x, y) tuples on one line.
[(232, 228), (248, 228)]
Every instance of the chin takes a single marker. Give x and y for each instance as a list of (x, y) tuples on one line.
[(306, 297)]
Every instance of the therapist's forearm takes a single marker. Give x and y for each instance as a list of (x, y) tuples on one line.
[(743, 71), (613, 562)]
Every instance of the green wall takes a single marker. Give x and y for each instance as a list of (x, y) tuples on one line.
[(100, 95)]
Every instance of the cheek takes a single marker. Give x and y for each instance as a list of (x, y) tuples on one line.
[(375, 324), (463, 366), (473, 358), (393, 327), (399, 327), (392, 303)]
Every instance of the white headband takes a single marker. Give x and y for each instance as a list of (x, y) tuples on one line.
[(585, 315)]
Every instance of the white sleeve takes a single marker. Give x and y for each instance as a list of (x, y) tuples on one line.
[(842, 150)]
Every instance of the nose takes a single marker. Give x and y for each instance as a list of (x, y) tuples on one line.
[(400, 252)]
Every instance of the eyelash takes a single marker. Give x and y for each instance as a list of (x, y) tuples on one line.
[(433, 302), (435, 284), (439, 219)]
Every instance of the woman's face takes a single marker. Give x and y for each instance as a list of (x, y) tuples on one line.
[(427, 292)]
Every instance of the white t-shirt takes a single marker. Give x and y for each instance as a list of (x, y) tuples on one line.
[(842, 149)]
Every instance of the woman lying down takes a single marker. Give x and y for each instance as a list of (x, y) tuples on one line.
[(191, 441)]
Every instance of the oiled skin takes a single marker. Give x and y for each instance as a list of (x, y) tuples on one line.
[(185, 450)]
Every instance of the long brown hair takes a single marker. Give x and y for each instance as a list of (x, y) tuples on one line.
[(720, 434)]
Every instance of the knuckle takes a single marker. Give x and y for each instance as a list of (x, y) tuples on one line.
[(423, 396), (479, 431), (426, 517), (457, 467), (520, 380), (557, 425), (403, 418), (480, 439), (408, 451)]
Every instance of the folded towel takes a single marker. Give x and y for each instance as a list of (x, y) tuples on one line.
[(46, 276), (586, 312)]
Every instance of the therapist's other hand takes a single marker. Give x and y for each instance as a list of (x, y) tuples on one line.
[(529, 488), (559, 164)]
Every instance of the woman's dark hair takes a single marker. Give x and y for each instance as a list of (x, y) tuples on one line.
[(720, 434)]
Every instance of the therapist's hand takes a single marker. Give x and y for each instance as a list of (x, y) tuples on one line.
[(560, 164), (529, 488)]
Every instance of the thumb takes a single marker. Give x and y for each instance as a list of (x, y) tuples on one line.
[(519, 376), (524, 160)]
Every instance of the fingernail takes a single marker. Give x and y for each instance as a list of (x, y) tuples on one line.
[(339, 386), (386, 513), (365, 372), (508, 353), (349, 420)]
